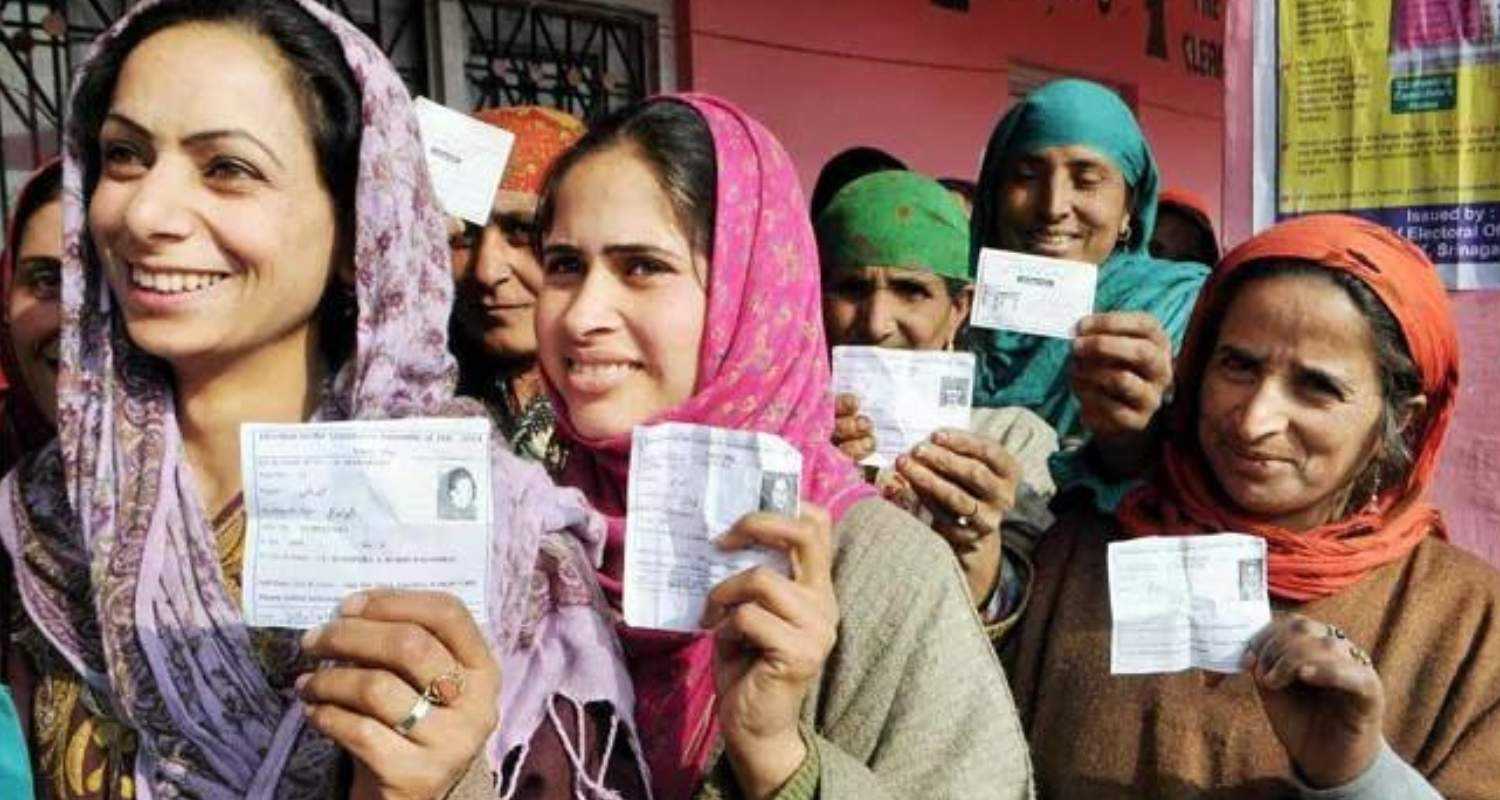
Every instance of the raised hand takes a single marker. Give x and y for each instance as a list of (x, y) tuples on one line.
[(411, 695), (772, 636), (1322, 695)]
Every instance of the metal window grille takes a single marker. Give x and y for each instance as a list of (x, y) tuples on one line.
[(584, 59)]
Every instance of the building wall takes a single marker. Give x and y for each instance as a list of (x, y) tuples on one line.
[(928, 83)]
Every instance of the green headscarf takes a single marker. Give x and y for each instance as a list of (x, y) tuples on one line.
[(895, 219), (1020, 370)]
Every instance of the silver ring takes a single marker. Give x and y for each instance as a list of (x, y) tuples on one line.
[(962, 522), (418, 710)]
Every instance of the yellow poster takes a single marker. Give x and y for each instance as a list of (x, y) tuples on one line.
[(1390, 109)]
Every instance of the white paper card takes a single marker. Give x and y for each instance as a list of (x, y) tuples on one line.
[(688, 485), (465, 157), (1184, 602), (336, 507), (1032, 294), (907, 394)]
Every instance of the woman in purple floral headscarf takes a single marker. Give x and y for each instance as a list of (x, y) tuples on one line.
[(250, 235)]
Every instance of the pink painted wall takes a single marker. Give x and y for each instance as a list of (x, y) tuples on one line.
[(1468, 486), (928, 84)]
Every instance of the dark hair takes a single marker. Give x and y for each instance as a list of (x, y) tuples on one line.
[(846, 168), (1400, 381), (45, 187), (325, 88), (675, 141), (1206, 249), (964, 188)]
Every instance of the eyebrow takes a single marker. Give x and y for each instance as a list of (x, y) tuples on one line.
[(202, 136), (1304, 369), (616, 250)]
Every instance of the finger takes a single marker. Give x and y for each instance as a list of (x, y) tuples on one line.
[(996, 457), (1340, 672), (846, 404), (761, 586), (1141, 356), (751, 626), (973, 476), (806, 540), (442, 614), (851, 427), (1135, 324), (1120, 386), (936, 490), (371, 692), (367, 739), (404, 648)]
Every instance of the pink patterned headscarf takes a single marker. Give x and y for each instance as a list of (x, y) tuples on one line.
[(129, 591), (762, 366)]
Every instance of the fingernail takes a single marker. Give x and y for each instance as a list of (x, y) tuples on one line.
[(302, 681), (310, 638), (353, 604), (921, 451)]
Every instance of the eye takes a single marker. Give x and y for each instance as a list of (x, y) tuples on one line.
[(851, 288), (465, 238), (560, 266), (121, 158), (518, 232), (1235, 365), (1321, 386), (911, 291), (644, 267), (230, 170), (43, 277)]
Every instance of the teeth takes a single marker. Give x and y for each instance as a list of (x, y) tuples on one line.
[(600, 370), (173, 282)]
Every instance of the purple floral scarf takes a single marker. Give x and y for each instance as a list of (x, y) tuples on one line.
[(129, 589)]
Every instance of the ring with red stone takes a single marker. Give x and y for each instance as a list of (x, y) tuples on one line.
[(445, 688)]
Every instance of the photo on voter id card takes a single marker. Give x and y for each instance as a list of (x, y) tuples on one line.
[(954, 391), (1252, 579), (458, 494), (778, 493)]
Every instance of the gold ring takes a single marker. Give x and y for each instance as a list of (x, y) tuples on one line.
[(419, 709), (445, 688), (1360, 655)]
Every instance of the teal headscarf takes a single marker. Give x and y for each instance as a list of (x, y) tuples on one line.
[(895, 219), (1020, 370), (15, 764)]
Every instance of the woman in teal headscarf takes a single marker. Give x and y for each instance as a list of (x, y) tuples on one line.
[(1068, 174)]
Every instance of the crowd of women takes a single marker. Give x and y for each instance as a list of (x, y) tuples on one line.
[(241, 228)]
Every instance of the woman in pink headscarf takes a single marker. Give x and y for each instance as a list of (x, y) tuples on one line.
[(681, 284)]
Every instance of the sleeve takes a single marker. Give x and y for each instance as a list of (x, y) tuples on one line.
[(1388, 778), (922, 708)]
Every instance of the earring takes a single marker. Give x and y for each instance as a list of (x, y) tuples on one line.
[(1125, 233), (1376, 482)]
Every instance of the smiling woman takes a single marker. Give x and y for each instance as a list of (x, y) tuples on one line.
[(250, 236), (682, 285), (1069, 174), (30, 318), (1318, 379)]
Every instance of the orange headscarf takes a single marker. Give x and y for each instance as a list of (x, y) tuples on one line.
[(542, 134), (1182, 498)]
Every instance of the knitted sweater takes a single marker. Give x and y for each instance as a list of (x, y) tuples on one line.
[(1431, 623), (912, 701)]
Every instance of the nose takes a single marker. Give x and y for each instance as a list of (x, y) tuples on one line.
[(1057, 195), (160, 209), (879, 318), (494, 263), (1262, 414), (594, 307)]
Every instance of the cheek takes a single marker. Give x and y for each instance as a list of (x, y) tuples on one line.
[(672, 334), (839, 313), (32, 320)]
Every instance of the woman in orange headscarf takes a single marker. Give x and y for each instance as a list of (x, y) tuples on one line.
[(1315, 388), (497, 277)]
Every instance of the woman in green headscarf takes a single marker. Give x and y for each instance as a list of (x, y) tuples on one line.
[(894, 248), (1068, 174)]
